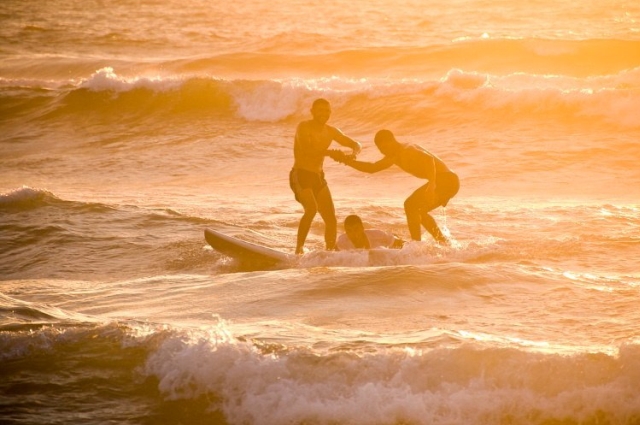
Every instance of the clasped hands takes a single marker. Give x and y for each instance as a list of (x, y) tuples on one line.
[(340, 156)]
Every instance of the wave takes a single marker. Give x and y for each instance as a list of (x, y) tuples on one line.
[(254, 381), (479, 384), (44, 235), (456, 97), (17, 315), (577, 58), (28, 198), (279, 56)]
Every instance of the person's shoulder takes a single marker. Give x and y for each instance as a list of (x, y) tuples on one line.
[(304, 124), (343, 237), (334, 131), (379, 232), (376, 232), (411, 147), (378, 238), (343, 243), (415, 150)]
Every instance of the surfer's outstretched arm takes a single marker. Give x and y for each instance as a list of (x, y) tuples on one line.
[(365, 167), (369, 167)]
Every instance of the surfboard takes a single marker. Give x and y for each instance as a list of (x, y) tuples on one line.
[(244, 251)]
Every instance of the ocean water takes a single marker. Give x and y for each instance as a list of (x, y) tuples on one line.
[(128, 127)]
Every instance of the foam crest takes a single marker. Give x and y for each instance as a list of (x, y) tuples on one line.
[(25, 197), (469, 384), (458, 95), (412, 253), (106, 79), (460, 80), (268, 101), (610, 99), (276, 100)]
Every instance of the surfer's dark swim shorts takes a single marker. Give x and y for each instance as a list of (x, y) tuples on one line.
[(300, 180), (447, 186)]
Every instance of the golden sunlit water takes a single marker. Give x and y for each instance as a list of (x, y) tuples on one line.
[(129, 127)]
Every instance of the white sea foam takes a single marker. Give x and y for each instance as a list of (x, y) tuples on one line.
[(23, 195), (470, 384), (108, 80)]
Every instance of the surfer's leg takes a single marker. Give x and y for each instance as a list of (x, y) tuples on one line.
[(308, 201), (430, 225), (328, 213), (412, 207), (417, 207)]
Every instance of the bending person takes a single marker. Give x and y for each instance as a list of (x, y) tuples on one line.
[(442, 183)]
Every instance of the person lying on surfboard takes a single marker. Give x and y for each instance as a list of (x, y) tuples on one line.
[(357, 237), (312, 140), (442, 183)]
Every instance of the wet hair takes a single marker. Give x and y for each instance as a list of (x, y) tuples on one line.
[(320, 101), (360, 238), (383, 136), (352, 220)]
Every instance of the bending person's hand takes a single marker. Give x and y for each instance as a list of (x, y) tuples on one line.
[(356, 150), (337, 155)]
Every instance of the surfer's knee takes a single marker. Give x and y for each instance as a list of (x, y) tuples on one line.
[(310, 212), (310, 209), (411, 208), (428, 221), (330, 220)]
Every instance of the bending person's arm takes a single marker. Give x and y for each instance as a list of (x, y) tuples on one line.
[(370, 167)]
